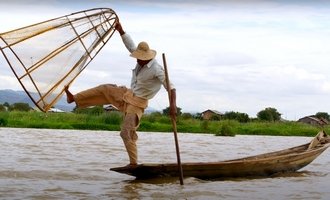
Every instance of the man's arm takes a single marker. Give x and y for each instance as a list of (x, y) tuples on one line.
[(127, 40), (119, 28), (160, 74), (173, 108)]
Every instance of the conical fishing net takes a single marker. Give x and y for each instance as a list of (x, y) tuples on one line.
[(49, 55)]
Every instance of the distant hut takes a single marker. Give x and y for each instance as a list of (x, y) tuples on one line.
[(209, 114), (55, 110), (110, 108), (313, 120)]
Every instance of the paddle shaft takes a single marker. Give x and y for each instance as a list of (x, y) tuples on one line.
[(173, 121)]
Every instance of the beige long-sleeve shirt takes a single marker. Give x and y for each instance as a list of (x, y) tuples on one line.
[(146, 82)]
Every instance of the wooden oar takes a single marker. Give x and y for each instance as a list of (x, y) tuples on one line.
[(173, 121)]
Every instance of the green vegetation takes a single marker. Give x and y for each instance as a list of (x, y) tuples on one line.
[(106, 121), (154, 122), (269, 114), (15, 107), (231, 123), (323, 115)]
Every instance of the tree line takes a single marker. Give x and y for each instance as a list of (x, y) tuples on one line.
[(15, 107), (268, 114)]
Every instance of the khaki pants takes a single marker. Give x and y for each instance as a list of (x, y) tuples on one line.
[(126, 102), (129, 136)]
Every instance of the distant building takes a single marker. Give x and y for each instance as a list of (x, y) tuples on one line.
[(55, 110), (110, 107), (313, 120), (209, 114)]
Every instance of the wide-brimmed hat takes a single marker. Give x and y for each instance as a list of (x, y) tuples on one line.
[(143, 52)]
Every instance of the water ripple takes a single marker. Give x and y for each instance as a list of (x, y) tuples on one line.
[(69, 164)]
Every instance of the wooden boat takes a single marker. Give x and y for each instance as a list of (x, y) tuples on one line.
[(263, 165)]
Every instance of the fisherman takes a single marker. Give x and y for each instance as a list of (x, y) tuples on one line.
[(146, 81)]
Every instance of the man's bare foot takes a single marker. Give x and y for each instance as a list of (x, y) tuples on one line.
[(69, 96), (131, 165)]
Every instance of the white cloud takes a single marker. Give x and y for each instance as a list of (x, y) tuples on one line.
[(9, 82), (325, 87)]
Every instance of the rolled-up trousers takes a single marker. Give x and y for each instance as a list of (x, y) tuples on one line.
[(117, 96)]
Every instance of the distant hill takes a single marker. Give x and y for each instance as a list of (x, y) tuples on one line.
[(11, 97)]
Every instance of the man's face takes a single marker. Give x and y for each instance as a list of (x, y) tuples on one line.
[(142, 62)]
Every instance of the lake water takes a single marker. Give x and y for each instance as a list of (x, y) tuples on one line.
[(71, 164)]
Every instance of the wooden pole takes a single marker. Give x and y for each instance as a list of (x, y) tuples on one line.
[(173, 122)]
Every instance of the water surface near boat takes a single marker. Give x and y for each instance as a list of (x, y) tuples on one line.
[(72, 164)]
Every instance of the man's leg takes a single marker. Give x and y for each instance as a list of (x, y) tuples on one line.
[(129, 136), (69, 95), (100, 95)]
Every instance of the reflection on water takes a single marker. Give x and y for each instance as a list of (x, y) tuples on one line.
[(67, 164)]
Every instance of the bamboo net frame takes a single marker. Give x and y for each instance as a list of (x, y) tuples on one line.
[(48, 55)]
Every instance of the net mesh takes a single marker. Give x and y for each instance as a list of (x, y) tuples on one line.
[(49, 55)]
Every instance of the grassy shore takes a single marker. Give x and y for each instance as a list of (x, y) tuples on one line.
[(153, 123)]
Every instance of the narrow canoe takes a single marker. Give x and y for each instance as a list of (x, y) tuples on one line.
[(263, 165)]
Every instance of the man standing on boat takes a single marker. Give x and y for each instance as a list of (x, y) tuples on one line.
[(146, 81)]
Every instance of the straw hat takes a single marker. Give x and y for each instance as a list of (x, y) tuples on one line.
[(143, 52)]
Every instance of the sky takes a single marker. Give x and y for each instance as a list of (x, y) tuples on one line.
[(241, 56)]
